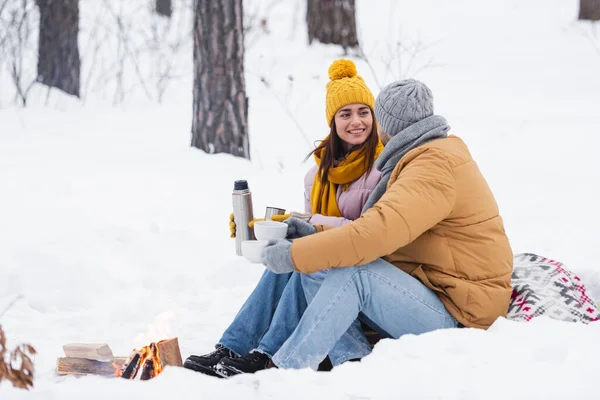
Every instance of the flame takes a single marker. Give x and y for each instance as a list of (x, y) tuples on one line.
[(118, 371), (160, 328), (151, 352)]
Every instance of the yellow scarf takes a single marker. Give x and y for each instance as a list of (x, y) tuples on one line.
[(323, 198)]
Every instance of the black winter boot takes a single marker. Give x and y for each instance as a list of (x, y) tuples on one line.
[(206, 363), (249, 364)]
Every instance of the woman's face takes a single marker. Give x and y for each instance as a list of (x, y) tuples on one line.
[(354, 123)]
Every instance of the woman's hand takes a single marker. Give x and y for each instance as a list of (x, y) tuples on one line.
[(293, 214), (297, 227), (232, 226)]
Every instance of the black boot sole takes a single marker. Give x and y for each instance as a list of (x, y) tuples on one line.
[(227, 371), (203, 369)]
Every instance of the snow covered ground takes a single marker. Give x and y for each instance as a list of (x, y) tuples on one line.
[(113, 229)]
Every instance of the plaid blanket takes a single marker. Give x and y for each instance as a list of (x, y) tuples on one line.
[(545, 287)]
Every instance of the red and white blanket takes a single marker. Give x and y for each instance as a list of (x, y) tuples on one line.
[(545, 287)]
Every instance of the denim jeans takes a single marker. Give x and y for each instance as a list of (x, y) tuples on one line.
[(353, 344), (269, 315), (391, 300)]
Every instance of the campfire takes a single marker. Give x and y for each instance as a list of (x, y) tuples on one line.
[(97, 359), (148, 358)]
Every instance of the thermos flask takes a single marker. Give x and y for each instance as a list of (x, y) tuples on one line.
[(242, 214)]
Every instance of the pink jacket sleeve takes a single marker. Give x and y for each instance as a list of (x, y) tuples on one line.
[(307, 206), (318, 219)]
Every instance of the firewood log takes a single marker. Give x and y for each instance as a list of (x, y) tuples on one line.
[(169, 352), (83, 366), (132, 368), (91, 351), (147, 369)]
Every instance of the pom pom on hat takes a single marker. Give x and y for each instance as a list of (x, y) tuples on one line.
[(342, 69), (345, 87)]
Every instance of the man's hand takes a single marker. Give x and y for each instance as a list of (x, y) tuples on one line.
[(276, 256), (298, 228)]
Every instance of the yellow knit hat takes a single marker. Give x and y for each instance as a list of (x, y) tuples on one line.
[(345, 87)]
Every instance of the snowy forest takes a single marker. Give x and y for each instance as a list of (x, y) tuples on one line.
[(125, 123)]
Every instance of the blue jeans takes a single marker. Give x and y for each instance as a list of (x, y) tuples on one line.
[(391, 300), (353, 344), (269, 315)]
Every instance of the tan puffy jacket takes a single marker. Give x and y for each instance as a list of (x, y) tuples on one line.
[(438, 221)]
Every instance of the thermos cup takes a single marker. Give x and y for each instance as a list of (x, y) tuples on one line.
[(270, 211)]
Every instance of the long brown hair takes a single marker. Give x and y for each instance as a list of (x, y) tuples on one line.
[(332, 148)]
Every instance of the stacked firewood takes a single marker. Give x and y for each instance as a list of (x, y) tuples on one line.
[(88, 358), (98, 359)]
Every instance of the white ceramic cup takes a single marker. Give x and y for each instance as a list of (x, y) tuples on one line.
[(268, 230)]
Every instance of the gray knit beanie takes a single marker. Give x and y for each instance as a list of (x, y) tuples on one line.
[(401, 104)]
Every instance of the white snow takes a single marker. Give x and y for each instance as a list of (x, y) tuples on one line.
[(112, 229)]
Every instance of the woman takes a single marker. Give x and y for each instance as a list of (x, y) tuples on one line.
[(336, 190)]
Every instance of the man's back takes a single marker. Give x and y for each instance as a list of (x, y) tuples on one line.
[(466, 257)]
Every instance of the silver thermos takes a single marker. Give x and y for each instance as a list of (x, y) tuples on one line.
[(242, 214)]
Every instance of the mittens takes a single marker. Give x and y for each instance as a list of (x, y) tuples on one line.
[(298, 228), (276, 256)]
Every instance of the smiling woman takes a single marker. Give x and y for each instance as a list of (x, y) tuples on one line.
[(354, 124), (336, 190), (352, 137), (352, 131), (352, 145)]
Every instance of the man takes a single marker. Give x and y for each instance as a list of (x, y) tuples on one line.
[(429, 252)]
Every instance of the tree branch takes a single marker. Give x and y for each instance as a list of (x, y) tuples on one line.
[(9, 305)]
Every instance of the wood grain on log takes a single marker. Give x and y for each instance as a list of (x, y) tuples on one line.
[(83, 366), (91, 351), (169, 352)]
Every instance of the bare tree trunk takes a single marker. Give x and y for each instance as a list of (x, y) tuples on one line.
[(332, 22), (58, 52), (164, 7), (219, 123), (589, 10)]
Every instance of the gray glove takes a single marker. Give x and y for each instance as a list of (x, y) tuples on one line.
[(276, 256), (298, 228)]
